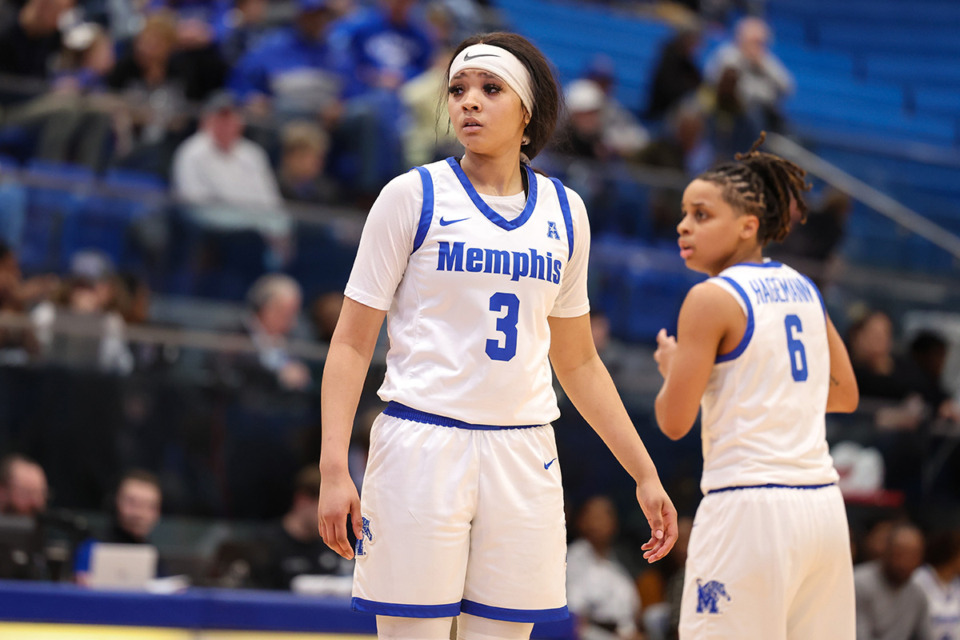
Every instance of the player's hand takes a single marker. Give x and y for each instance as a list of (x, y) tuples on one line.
[(662, 518), (338, 498), (666, 346)]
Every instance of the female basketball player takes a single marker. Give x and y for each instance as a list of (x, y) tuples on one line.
[(479, 265), (769, 556)]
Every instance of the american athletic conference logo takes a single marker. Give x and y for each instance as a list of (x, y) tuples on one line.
[(708, 595), (365, 536)]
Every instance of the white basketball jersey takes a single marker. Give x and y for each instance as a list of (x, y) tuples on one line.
[(467, 322), (763, 409), (944, 603)]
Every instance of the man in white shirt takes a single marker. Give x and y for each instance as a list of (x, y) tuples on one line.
[(217, 166)]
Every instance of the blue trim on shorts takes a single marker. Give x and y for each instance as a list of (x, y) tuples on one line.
[(772, 486), (406, 610), (426, 209), (514, 615), (404, 412), (748, 332)]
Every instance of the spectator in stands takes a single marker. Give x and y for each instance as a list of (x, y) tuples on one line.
[(23, 486), (762, 80), (217, 167), (677, 74), (683, 146), (87, 300), (274, 301), (385, 46), (16, 296), (428, 136), (928, 356), (155, 88), (600, 591), (137, 506), (939, 579), (293, 545), (28, 44), (241, 29), (293, 71), (302, 163), (622, 132), (135, 514), (583, 135), (814, 243), (889, 604), (75, 120)]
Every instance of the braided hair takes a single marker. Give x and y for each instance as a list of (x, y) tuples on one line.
[(763, 185)]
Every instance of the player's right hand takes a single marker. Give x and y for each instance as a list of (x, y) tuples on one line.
[(666, 345), (338, 498)]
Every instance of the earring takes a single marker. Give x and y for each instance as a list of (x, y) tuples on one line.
[(525, 140)]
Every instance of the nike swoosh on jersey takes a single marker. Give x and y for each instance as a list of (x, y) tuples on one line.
[(546, 465), (444, 223)]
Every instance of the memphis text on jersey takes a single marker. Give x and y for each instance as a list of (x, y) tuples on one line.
[(782, 290), (515, 264)]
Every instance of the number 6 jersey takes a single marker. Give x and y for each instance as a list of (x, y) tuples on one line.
[(763, 410), (468, 291)]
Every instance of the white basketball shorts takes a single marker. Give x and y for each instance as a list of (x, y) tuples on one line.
[(769, 563), (460, 517)]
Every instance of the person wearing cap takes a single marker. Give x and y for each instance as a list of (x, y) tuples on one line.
[(218, 165), (479, 265)]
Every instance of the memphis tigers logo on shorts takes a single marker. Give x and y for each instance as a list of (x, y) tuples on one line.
[(709, 596)]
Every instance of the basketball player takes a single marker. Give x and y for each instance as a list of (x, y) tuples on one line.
[(769, 555), (479, 265)]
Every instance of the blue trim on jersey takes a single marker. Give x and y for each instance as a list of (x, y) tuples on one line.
[(426, 210), (514, 615), (772, 486), (404, 412), (748, 333), (406, 610), (565, 208), (485, 209), (769, 264), (819, 295)]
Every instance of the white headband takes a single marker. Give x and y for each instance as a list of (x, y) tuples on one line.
[(500, 62)]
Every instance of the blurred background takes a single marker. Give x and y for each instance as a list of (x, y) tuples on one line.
[(183, 184)]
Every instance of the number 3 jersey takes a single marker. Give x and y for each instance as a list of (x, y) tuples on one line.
[(468, 291), (763, 410)]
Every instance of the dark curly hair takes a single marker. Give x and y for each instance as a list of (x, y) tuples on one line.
[(546, 95), (764, 185)]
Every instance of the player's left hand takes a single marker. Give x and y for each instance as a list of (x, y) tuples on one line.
[(661, 516), (666, 346)]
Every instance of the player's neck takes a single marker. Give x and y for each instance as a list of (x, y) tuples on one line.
[(751, 253), (493, 175)]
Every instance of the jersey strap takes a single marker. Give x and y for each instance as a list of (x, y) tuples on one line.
[(748, 332), (817, 289), (426, 210), (565, 208)]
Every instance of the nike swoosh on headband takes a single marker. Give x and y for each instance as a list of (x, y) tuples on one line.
[(467, 56)]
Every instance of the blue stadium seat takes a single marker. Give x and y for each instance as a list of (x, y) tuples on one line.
[(55, 193)]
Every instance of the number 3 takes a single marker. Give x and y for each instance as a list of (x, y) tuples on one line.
[(507, 325), (798, 355)]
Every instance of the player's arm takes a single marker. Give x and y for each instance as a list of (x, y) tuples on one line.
[(344, 372), (707, 314), (844, 394), (588, 385)]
